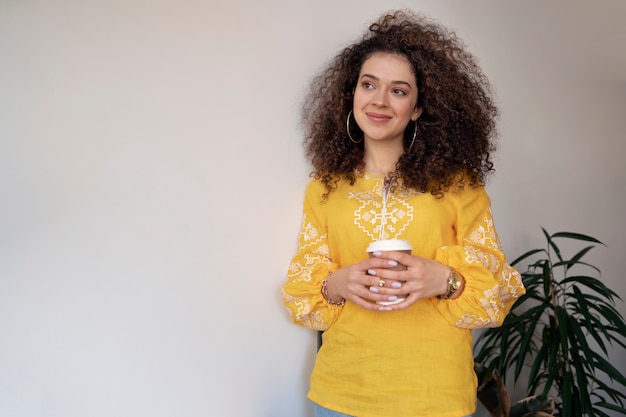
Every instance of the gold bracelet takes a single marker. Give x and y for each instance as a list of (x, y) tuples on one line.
[(327, 297)]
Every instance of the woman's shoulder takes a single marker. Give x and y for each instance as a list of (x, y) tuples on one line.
[(316, 192), (467, 192), (315, 186), (339, 188)]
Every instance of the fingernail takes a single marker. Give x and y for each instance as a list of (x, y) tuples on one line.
[(392, 298), (374, 289), (396, 285), (371, 272), (393, 263), (377, 253)]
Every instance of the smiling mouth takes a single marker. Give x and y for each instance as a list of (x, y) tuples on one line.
[(378, 117)]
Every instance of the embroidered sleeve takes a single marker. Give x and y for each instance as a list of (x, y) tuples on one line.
[(491, 285), (302, 291)]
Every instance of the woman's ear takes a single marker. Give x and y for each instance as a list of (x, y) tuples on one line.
[(417, 113)]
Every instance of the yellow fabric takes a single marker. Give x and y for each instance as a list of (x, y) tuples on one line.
[(413, 362)]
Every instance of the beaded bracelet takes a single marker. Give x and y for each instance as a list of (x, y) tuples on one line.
[(327, 297)]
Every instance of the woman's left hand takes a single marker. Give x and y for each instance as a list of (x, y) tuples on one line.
[(423, 278)]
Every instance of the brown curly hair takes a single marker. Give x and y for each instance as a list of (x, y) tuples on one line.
[(455, 133)]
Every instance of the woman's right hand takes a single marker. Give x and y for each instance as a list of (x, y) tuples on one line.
[(356, 283)]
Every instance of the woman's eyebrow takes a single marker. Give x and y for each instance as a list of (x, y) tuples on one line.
[(375, 78)]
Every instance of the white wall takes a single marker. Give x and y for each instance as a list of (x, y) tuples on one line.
[(151, 177)]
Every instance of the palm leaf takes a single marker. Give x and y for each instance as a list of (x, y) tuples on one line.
[(593, 284), (527, 340), (578, 256), (552, 245), (537, 366), (578, 339), (526, 255), (551, 327), (566, 394), (581, 378), (581, 263), (605, 366), (599, 413), (612, 316), (613, 407), (562, 326), (576, 236), (615, 395)]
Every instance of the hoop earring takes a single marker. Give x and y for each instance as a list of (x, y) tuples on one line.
[(348, 129), (414, 135)]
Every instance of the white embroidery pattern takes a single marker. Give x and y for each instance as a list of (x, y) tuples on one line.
[(509, 285), (368, 216), (304, 315), (485, 234), (302, 270), (309, 237)]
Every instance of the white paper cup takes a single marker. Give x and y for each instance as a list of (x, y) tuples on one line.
[(390, 245), (395, 245)]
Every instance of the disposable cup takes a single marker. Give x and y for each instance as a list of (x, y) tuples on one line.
[(391, 245)]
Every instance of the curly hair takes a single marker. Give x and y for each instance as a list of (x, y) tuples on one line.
[(455, 133)]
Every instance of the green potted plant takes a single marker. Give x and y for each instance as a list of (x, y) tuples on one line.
[(560, 332)]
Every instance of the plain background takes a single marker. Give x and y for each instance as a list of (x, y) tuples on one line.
[(152, 176)]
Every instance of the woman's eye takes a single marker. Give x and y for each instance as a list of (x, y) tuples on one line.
[(368, 85), (399, 91)]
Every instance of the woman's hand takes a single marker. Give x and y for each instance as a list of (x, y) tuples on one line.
[(423, 278), (364, 283)]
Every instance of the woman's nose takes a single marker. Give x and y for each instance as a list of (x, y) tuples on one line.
[(380, 99)]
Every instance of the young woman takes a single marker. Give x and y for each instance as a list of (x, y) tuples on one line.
[(399, 130)]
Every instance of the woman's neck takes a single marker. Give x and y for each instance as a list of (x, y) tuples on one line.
[(381, 159)]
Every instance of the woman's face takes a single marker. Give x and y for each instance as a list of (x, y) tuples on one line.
[(385, 97)]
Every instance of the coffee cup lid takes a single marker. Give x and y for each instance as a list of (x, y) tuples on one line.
[(389, 245)]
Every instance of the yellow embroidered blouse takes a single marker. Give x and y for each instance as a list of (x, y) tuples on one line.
[(413, 362)]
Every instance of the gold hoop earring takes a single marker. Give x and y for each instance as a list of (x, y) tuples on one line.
[(348, 129), (414, 135)]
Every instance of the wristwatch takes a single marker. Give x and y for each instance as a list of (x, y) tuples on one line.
[(454, 283)]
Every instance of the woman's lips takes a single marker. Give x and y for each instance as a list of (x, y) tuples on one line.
[(376, 117)]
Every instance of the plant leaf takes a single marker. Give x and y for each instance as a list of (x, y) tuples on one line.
[(612, 407), (606, 367), (562, 326), (566, 394), (526, 255), (553, 365), (576, 236), (612, 316), (576, 258), (553, 245), (616, 396), (547, 280), (523, 350), (584, 310), (577, 338), (581, 377), (593, 284)]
